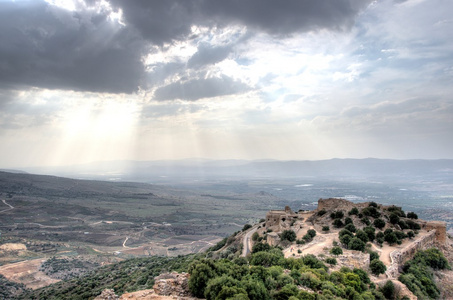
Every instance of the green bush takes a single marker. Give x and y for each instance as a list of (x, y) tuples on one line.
[(373, 255), (377, 267), (394, 218), (338, 223), (311, 232), (322, 212), (346, 239), (331, 261), (371, 211), (370, 232), (260, 247), (362, 235), (356, 244), (288, 235), (353, 211), (379, 223), (350, 227), (412, 215), (336, 251), (246, 226), (391, 238), (388, 290)]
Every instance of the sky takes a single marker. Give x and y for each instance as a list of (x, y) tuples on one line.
[(88, 80)]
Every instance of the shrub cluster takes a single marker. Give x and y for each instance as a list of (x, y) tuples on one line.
[(265, 279), (418, 273)]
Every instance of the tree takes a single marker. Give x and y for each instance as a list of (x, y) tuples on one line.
[(412, 215), (255, 236), (370, 231), (339, 214), (373, 255), (379, 223), (371, 211), (362, 235), (338, 223), (413, 225), (365, 221), (260, 247), (410, 234), (336, 251), (345, 239), (388, 289), (199, 278), (403, 225), (356, 244), (391, 238), (246, 226), (223, 287), (377, 267), (331, 261), (343, 232), (348, 220), (321, 212), (289, 235), (350, 227), (325, 228), (255, 289), (311, 232), (353, 211), (394, 218)]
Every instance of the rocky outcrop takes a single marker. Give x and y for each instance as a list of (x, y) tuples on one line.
[(354, 259), (107, 294), (172, 284)]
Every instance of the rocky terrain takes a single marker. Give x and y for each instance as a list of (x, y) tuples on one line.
[(394, 255)]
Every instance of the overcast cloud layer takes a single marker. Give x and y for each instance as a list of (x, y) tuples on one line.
[(88, 80)]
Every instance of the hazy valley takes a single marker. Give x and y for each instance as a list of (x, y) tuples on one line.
[(97, 222)]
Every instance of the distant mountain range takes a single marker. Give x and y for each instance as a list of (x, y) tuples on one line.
[(202, 169)]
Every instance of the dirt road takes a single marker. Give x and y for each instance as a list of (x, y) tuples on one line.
[(246, 241), (10, 206)]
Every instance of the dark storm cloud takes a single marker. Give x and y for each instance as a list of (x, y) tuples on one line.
[(164, 21), (44, 46), (200, 88), (286, 17), (48, 47)]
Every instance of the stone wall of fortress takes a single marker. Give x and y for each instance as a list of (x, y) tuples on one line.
[(437, 234), (399, 257)]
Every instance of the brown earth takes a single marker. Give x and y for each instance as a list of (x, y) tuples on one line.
[(27, 272)]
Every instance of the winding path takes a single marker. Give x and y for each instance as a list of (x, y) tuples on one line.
[(124, 243), (10, 206), (246, 241)]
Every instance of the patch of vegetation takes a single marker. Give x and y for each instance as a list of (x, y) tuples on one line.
[(265, 279), (336, 250), (129, 275), (418, 273), (246, 227), (322, 212), (377, 267), (65, 268), (288, 235), (11, 290)]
